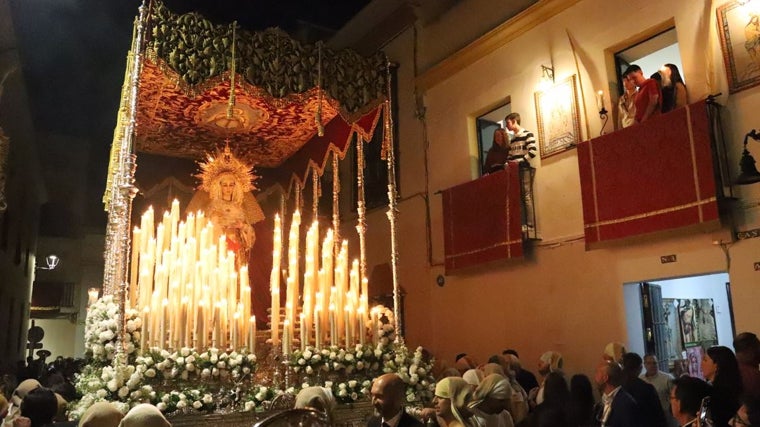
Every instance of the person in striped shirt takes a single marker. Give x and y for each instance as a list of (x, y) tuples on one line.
[(522, 149)]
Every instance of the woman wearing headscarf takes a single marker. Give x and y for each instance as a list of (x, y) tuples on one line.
[(519, 403), (491, 402), (452, 395), (101, 414), (473, 377), (144, 415), (319, 398), (550, 361)]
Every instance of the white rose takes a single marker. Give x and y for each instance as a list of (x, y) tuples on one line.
[(184, 375), (250, 405), (161, 406), (349, 357), (214, 358), (112, 385), (205, 373), (181, 404), (180, 360), (124, 392), (352, 383), (251, 357), (221, 365), (246, 370), (101, 393), (190, 367), (197, 404), (150, 373), (130, 325), (309, 370), (185, 352), (207, 399), (190, 359), (307, 354)]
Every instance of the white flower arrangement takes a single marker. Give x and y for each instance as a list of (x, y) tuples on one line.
[(101, 327)]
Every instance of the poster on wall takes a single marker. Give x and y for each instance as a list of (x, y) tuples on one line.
[(559, 126), (696, 321), (739, 30), (691, 329)]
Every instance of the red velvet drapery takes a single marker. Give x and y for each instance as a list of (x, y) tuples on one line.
[(647, 178), (481, 220)]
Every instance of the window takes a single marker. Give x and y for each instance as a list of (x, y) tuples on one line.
[(650, 54), (486, 125)]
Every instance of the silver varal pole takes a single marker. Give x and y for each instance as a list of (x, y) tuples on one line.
[(392, 205), (123, 190)]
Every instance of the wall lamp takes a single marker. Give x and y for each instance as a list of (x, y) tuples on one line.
[(52, 261), (749, 173), (547, 74)]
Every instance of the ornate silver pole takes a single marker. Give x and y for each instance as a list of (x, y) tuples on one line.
[(122, 193), (336, 203), (361, 220), (392, 213)]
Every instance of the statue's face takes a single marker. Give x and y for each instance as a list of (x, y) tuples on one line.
[(227, 183)]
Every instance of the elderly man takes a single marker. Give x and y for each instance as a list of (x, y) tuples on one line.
[(644, 393), (662, 381), (387, 393), (618, 409), (747, 348), (648, 97), (686, 399)]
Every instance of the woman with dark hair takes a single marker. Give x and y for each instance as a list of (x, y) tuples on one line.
[(720, 368), (581, 406), (552, 411), (40, 406), (674, 93), (498, 153)]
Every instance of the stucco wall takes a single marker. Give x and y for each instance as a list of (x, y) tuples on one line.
[(561, 296)]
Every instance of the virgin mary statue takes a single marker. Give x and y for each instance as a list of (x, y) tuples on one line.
[(225, 197)]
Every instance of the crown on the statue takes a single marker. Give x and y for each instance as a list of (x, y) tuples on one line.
[(223, 162)]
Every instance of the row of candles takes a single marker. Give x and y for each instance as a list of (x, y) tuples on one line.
[(334, 302), (188, 286)]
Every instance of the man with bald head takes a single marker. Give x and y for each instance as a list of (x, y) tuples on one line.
[(388, 393)]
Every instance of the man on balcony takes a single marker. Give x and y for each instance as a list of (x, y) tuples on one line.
[(522, 149), (648, 97)]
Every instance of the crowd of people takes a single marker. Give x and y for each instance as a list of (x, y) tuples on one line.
[(633, 392), (644, 97)]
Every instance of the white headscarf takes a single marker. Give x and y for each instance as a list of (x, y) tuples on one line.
[(144, 415)]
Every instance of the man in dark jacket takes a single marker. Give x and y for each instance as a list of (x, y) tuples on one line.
[(388, 393), (643, 392)]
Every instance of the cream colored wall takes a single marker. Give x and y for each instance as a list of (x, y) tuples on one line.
[(560, 296), (59, 337)]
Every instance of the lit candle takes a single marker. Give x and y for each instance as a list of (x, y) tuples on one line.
[(162, 327), (145, 328), (600, 100), (333, 325), (234, 330), (347, 311), (285, 337), (274, 279), (302, 332), (199, 333), (317, 328), (375, 324), (362, 328), (252, 334), (136, 245)]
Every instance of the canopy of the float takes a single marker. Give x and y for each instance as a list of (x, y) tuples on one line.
[(292, 105)]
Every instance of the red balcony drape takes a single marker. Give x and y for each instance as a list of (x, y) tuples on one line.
[(482, 220), (648, 178)]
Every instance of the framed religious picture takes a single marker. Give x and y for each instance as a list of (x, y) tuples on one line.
[(558, 120), (739, 30)]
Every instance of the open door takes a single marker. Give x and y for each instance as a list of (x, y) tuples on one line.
[(653, 319)]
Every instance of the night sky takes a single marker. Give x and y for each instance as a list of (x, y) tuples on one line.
[(73, 54)]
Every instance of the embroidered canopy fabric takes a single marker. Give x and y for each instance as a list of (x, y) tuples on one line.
[(283, 89), (481, 220), (649, 178)]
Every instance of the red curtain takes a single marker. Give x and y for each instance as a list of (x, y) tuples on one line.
[(482, 220), (337, 136), (650, 177)]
